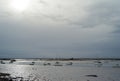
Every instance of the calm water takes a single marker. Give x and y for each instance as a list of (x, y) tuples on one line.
[(75, 72)]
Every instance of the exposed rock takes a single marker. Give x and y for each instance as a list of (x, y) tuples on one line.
[(91, 75)]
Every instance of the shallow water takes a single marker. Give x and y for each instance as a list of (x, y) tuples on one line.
[(75, 72)]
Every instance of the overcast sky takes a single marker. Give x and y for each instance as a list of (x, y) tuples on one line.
[(59, 28)]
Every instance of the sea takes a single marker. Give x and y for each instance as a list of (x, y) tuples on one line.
[(58, 70)]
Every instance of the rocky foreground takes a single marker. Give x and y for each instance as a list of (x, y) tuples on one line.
[(8, 77)]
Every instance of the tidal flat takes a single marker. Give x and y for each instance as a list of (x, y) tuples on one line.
[(58, 70)]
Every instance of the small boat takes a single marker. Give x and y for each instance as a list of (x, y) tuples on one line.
[(70, 63), (12, 60), (116, 66), (58, 64), (46, 64), (97, 61), (2, 62), (33, 63)]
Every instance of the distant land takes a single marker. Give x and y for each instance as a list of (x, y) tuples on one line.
[(64, 59)]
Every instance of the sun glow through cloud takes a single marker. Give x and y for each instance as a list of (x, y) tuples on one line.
[(20, 5), (59, 28)]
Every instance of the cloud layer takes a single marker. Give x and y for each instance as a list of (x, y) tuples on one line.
[(60, 28)]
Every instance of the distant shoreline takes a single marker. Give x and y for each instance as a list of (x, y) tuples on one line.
[(63, 59)]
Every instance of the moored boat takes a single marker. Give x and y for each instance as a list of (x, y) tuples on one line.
[(58, 64)]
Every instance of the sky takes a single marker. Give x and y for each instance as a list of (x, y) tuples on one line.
[(59, 28)]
